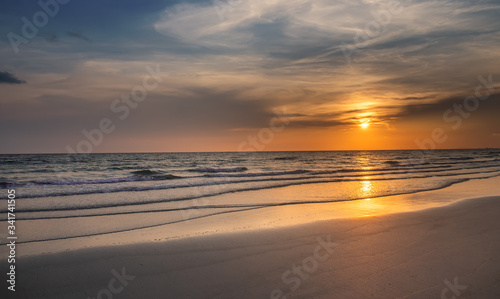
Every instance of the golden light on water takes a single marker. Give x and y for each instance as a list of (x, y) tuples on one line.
[(366, 188)]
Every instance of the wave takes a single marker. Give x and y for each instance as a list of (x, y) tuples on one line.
[(122, 167), (399, 169), (9, 162), (461, 158), (257, 174), (135, 178), (147, 172), (153, 175), (5, 184), (240, 172), (441, 185), (335, 171), (285, 158), (392, 162), (276, 182), (214, 170)]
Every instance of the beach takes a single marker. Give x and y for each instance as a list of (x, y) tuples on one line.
[(374, 230), (387, 247), (401, 255)]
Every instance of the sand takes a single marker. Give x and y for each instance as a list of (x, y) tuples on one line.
[(445, 252)]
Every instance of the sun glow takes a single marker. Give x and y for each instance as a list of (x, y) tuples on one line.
[(365, 125)]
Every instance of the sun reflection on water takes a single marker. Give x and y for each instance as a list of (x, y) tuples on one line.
[(366, 189)]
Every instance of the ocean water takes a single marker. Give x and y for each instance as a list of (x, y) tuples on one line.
[(57, 189)]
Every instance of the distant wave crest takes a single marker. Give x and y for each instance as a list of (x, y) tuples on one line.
[(215, 170), (258, 174), (139, 175)]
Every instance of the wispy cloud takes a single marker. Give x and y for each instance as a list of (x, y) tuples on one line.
[(422, 50), (8, 78), (78, 35), (261, 55)]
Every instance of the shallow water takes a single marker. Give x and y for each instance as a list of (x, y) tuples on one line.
[(101, 193)]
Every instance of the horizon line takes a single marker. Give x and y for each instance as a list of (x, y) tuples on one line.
[(284, 151)]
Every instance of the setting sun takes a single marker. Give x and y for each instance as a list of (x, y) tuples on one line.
[(365, 125)]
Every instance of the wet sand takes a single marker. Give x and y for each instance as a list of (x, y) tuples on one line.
[(433, 253)]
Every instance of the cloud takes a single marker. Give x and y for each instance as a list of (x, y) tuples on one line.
[(228, 73), (78, 35), (8, 78), (51, 37), (413, 98), (422, 49), (251, 22)]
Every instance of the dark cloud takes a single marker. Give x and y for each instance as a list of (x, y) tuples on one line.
[(485, 113), (413, 98), (8, 78), (331, 119), (490, 106), (78, 35), (308, 123), (51, 38)]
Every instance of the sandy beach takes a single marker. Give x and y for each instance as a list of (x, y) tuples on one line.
[(433, 253)]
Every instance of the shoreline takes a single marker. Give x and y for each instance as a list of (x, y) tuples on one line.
[(404, 255), (241, 221)]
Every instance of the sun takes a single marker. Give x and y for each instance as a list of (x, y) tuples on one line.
[(365, 121)]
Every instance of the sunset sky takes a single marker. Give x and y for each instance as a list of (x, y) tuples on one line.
[(343, 75)]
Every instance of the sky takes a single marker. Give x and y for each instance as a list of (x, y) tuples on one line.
[(237, 75)]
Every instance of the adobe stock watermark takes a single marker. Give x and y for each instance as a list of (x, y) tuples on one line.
[(121, 106), (193, 211), (456, 115), (454, 288), (265, 135), (293, 278), (223, 6), (253, 143), (115, 286), (373, 28), (40, 19)]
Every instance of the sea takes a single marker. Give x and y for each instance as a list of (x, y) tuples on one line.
[(113, 188)]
